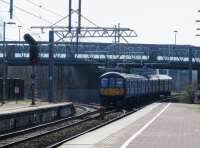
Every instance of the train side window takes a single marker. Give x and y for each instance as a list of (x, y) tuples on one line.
[(104, 83), (119, 83), (112, 82)]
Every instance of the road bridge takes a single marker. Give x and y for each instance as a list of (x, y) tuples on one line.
[(104, 53), (160, 56), (107, 55)]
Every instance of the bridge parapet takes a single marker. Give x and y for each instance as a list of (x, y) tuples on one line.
[(103, 53)]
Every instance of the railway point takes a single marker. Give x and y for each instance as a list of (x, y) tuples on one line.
[(159, 125)]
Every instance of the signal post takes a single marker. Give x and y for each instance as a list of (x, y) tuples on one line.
[(33, 60)]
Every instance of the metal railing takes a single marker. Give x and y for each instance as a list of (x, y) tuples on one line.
[(102, 53)]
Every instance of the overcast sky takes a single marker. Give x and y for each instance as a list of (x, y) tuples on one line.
[(153, 20)]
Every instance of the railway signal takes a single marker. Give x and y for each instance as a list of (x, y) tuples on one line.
[(33, 59), (33, 54)]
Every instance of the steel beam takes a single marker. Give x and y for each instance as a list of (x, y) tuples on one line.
[(79, 17), (190, 66), (51, 66), (70, 16)]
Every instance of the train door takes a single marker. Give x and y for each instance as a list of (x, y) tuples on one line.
[(137, 86), (161, 85), (157, 86), (168, 86), (166, 89), (127, 88), (134, 87), (158, 89), (153, 86), (149, 90), (145, 87)]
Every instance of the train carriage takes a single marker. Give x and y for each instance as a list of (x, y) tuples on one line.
[(112, 87), (119, 89), (165, 85)]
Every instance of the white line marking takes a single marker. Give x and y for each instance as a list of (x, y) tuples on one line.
[(144, 127)]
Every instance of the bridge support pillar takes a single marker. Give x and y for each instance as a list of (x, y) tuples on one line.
[(190, 66), (51, 67), (198, 77)]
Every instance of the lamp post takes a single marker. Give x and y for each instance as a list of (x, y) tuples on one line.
[(175, 34), (177, 74), (19, 27), (175, 40), (198, 74), (4, 61)]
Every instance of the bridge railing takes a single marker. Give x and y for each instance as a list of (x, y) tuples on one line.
[(104, 52)]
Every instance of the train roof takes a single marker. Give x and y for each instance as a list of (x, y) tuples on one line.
[(127, 76), (124, 75), (161, 77)]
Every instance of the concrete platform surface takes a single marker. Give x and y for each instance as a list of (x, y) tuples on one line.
[(160, 125), (23, 106)]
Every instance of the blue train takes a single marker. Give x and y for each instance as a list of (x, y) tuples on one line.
[(118, 89)]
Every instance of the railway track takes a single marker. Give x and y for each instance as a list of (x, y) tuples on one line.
[(51, 133), (112, 118), (55, 133), (13, 139), (123, 114)]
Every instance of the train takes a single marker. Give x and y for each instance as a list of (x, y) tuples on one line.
[(119, 89)]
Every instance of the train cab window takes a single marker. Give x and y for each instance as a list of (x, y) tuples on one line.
[(119, 83), (104, 83), (112, 82)]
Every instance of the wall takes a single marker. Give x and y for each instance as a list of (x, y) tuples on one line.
[(71, 82)]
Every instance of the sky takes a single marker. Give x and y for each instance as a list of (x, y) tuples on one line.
[(153, 20)]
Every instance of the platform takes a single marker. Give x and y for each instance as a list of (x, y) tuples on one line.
[(160, 125), (22, 115), (13, 108), (13, 105)]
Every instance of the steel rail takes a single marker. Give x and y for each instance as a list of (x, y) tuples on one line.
[(81, 116)]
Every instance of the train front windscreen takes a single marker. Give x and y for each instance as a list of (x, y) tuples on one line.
[(112, 87)]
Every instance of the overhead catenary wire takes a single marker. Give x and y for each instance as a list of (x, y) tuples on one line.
[(39, 17), (59, 20), (87, 19), (52, 25), (21, 22), (44, 8), (27, 12)]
